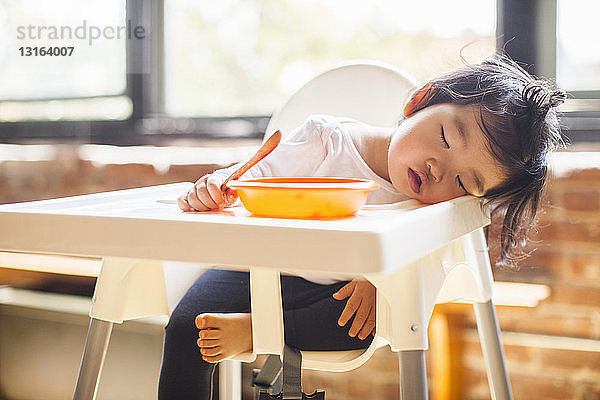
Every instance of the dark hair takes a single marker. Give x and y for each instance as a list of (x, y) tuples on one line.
[(521, 126)]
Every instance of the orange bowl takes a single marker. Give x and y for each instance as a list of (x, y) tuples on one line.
[(300, 197)]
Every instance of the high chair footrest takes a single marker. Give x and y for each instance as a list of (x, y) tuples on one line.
[(317, 395)]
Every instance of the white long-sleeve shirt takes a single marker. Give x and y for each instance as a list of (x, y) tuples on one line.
[(321, 147)]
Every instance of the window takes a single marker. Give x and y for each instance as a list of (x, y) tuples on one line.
[(577, 66), (578, 49), (220, 68), (84, 80), (245, 57), (558, 40)]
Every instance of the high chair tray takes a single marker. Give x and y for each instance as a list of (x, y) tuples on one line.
[(135, 223)]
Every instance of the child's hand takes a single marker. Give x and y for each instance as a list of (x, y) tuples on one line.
[(362, 302), (206, 195)]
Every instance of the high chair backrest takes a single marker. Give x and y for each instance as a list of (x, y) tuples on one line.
[(368, 91)]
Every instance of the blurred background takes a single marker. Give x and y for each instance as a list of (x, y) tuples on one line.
[(173, 89)]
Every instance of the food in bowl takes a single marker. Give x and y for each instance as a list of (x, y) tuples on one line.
[(303, 197)]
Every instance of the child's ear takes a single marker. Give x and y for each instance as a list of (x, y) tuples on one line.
[(417, 100)]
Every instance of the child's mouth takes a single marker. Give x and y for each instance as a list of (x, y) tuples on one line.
[(414, 180)]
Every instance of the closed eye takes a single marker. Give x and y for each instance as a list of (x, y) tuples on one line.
[(443, 138)]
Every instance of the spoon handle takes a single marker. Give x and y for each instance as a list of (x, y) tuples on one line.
[(267, 147)]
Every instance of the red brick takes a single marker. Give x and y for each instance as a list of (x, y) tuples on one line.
[(590, 391), (471, 348), (549, 262), (588, 200), (570, 360), (474, 377), (585, 266), (189, 173), (542, 233), (517, 354), (539, 386), (124, 176), (548, 195), (584, 175), (543, 255), (533, 321), (575, 295), (525, 386), (572, 232)]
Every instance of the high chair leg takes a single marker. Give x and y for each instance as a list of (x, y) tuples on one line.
[(413, 375), (230, 384), (94, 352), (493, 353)]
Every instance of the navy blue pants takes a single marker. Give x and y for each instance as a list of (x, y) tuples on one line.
[(310, 318)]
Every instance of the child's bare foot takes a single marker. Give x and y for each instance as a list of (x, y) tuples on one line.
[(224, 335)]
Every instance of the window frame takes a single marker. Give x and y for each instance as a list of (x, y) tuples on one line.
[(146, 124), (149, 125), (538, 20)]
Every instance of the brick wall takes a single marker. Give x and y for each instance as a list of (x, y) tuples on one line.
[(552, 350)]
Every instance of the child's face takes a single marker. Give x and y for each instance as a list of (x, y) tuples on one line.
[(422, 166)]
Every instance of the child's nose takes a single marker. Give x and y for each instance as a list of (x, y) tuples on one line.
[(434, 170)]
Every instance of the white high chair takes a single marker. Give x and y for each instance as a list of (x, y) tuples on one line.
[(375, 93)]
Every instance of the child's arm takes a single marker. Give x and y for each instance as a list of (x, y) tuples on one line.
[(362, 303), (299, 154)]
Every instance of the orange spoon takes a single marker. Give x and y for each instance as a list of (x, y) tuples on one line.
[(268, 146)]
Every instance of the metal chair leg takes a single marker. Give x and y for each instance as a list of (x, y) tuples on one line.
[(230, 380), (413, 375), (94, 352), (493, 353)]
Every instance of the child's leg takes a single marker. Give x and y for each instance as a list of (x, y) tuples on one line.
[(184, 375), (310, 316)]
